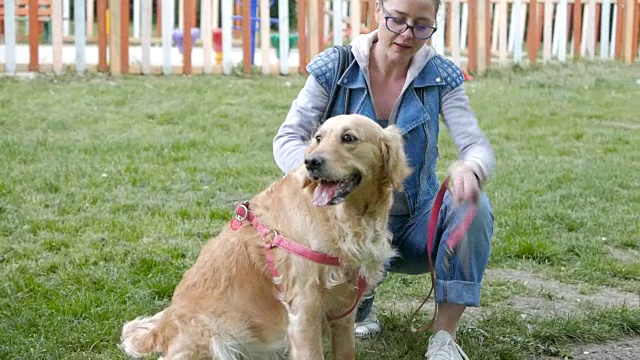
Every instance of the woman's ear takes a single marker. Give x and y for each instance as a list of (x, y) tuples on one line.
[(378, 12), (395, 167)]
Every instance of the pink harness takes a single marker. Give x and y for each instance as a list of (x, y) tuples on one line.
[(243, 213)]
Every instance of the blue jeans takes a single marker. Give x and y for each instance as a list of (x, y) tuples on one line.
[(458, 280)]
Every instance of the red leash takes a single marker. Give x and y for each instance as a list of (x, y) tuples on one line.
[(243, 213), (454, 239)]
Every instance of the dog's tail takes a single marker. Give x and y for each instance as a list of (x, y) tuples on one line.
[(142, 337)]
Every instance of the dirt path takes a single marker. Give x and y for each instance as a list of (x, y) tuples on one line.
[(627, 349), (549, 297), (557, 298)]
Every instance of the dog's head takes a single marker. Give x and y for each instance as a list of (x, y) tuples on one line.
[(352, 153)]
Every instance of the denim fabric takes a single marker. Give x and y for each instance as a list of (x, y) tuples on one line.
[(460, 281), (434, 87), (417, 119)]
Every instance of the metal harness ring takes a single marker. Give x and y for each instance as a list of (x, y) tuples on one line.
[(246, 212)]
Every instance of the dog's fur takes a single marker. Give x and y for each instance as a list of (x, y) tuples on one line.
[(225, 308)]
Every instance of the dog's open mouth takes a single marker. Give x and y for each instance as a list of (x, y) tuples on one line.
[(333, 192)]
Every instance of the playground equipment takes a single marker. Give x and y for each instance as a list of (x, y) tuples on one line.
[(217, 44), (255, 23), (216, 36), (274, 39), (178, 38)]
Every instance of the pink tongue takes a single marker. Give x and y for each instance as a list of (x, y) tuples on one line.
[(324, 193)]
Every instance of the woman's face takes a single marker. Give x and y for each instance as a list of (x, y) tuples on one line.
[(403, 46)]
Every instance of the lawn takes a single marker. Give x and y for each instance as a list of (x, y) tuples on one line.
[(110, 187)]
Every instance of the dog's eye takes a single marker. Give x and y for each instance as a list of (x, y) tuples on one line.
[(318, 138), (348, 138)]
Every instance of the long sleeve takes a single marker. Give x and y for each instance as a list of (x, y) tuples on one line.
[(472, 145), (300, 125)]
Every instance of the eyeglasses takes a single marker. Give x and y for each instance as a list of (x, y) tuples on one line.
[(398, 26)]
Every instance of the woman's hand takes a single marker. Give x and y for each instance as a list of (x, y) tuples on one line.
[(465, 183)]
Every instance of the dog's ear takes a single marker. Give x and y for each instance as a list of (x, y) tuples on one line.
[(396, 168)]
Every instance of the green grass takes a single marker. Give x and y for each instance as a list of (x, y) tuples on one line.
[(109, 188)]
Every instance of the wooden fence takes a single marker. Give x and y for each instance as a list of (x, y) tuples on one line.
[(142, 36)]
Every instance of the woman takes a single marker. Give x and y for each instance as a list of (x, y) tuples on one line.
[(397, 79)]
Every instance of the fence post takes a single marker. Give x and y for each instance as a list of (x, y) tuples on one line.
[(146, 19), (481, 36), (563, 30), (619, 21), (10, 37), (56, 36), (636, 32), (517, 34), (454, 24), (577, 28), (227, 13), (34, 35), (548, 26), (472, 44), (79, 33), (591, 29), (159, 17), (321, 19), (206, 35), (167, 25), (302, 35), (314, 28), (114, 37), (532, 27), (487, 32), (337, 22), (247, 30), (283, 30), (102, 36), (629, 31), (265, 26), (355, 15), (124, 35), (189, 14)]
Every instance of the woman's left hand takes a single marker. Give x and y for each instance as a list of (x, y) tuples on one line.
[(465, 183)]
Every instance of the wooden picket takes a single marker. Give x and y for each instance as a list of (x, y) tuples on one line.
[(475, 34), (206, 20), (79, 34), (146, 20), (102, 36), (56, 29)]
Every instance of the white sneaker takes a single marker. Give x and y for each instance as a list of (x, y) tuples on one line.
[(367, 328), (442, 347)]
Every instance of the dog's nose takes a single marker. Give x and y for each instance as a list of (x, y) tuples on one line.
[(313, 162)]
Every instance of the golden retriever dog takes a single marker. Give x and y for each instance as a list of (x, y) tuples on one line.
[(248, 297)]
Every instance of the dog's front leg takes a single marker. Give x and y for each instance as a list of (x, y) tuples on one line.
[(305, 327), (343, 341)]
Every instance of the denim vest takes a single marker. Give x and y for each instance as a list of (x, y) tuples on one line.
[(417, 119)]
